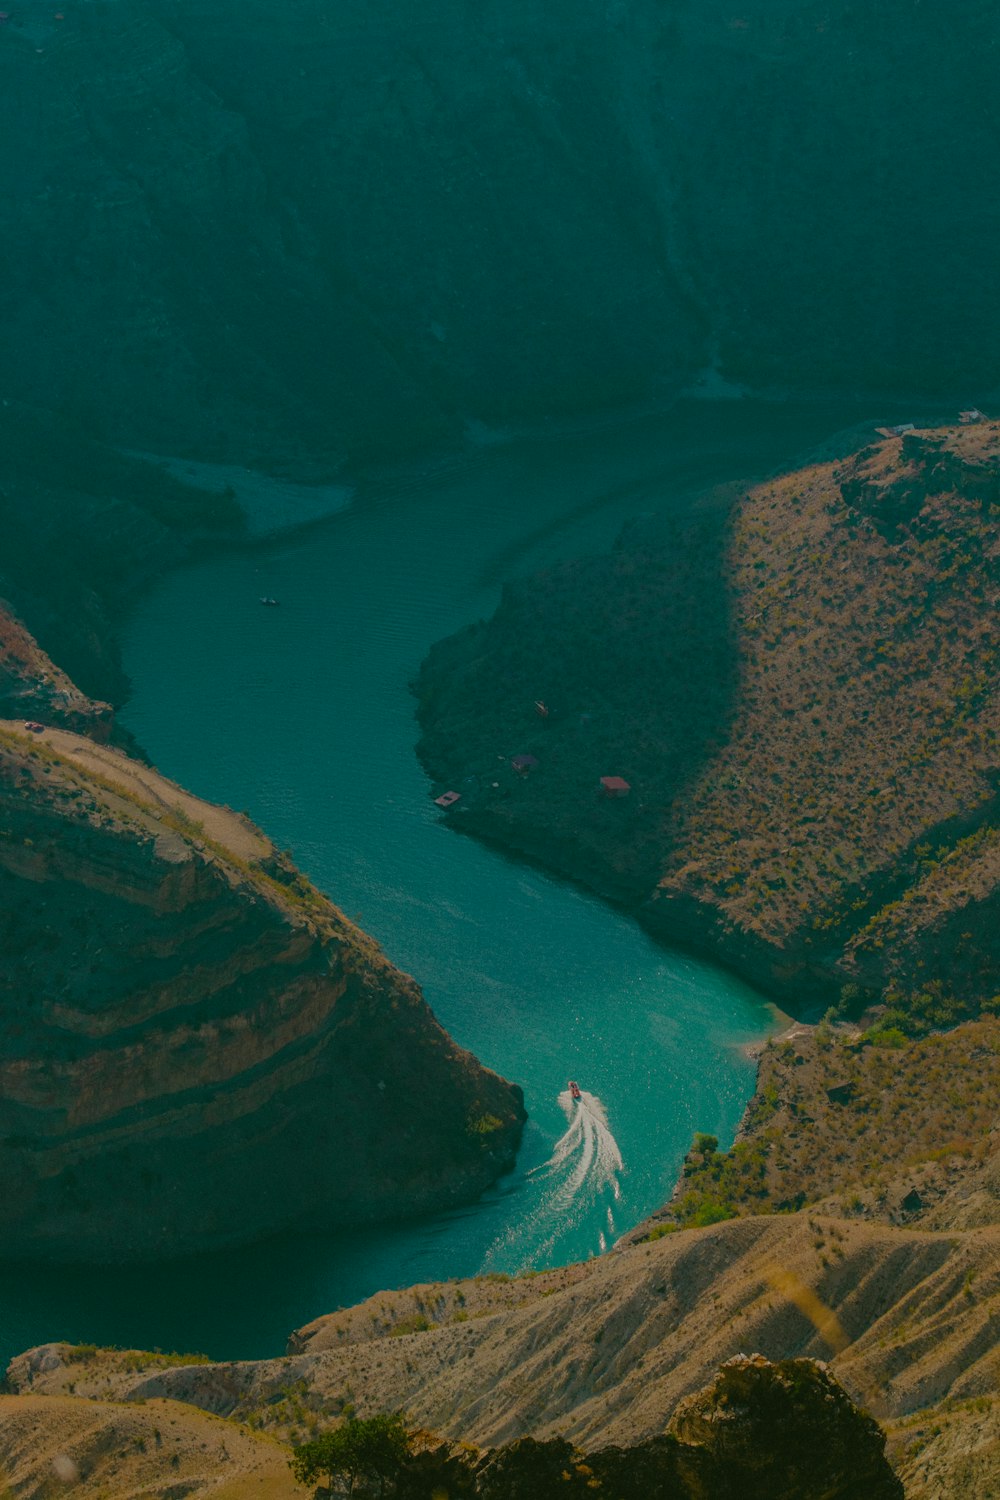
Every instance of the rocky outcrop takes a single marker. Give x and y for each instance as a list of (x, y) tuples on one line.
[(198, 1049), (801, 695), (785, 1430), (759, 1431), (33, 687)]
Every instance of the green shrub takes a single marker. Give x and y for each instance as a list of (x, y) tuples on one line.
[(370, 1449)]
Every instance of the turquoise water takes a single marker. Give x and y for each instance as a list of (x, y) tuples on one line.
[(303, 717)]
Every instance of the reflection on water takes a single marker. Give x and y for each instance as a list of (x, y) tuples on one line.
[(303, 716)]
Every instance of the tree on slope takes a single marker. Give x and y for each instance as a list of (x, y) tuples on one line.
[(372, 1450)]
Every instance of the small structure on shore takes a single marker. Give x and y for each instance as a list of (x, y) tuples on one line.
[(448, 799), (524, 763), (614, 786)]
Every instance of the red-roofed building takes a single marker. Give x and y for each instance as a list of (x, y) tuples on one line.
[(614, 786)]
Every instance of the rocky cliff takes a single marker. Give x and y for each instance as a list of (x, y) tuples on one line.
[(897, 1296), (32, 686), (198, 1049), (800, 690), (231, 226)]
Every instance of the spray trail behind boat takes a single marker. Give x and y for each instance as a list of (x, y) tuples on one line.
[(583, 1168)]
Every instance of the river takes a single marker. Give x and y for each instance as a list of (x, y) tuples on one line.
[(302, 715)]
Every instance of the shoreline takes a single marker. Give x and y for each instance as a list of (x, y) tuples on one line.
[(680, 937), (630, 902)]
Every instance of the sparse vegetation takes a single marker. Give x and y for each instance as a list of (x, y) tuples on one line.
[(803, 697), (862, 1121), (370, 1449)]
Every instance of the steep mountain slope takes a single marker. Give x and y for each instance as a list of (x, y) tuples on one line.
[(762, 1431), (801, 692), (31, 684), (245, 226), (903, 1317), (198, 1049), (110, 1451), (863, 1125)]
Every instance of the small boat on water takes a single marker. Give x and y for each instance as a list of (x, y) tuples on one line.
[(271, 603), (574, 1089)]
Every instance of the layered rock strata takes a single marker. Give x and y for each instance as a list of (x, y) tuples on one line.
[(198, 1049)]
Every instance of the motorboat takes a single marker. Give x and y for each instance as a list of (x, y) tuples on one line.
[(575, 1091), (271, 603)]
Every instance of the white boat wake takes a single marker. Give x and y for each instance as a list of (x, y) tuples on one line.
[(582, 1170), (588, 1144)]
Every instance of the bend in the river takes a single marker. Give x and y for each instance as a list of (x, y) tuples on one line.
[(302, 715)]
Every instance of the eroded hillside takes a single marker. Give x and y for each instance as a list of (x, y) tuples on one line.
[(903, 1318), (237, 227), (802, 695), (899, 1297), (765, 1431), (866, 1125), (115, 1451), (198, 1048)]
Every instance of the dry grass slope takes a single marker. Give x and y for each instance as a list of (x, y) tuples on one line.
[(803, 696), (106, 1450), (868, 1126), (904, 1317)]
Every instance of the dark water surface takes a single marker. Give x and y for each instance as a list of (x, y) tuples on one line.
[(303, 717)]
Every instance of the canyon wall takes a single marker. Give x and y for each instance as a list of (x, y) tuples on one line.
[(198, 1048), (260, 228), (799, 688)]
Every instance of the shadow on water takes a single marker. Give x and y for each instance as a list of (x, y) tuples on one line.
[(200, 1304), (303, 716)]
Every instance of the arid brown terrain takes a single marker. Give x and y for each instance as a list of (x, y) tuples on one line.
[(899, 1302), (198, 1048), (800, 689)]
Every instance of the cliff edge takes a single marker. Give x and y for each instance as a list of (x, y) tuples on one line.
[(198, 1048), (799, 692)]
